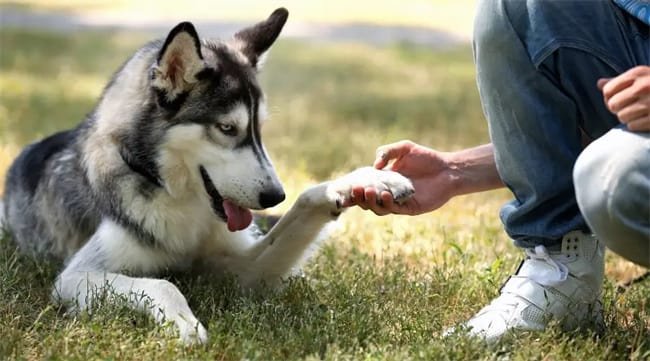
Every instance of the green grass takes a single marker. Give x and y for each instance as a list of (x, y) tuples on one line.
[(379, 289)]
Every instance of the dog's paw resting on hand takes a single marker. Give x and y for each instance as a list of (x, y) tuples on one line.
[(340, 190)]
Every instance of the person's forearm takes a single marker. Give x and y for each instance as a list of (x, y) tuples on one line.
[(474, 170)]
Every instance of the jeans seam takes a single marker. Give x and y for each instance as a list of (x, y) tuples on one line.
[(558, 43)]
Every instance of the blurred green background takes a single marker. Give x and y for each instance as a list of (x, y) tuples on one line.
[(350, 93)]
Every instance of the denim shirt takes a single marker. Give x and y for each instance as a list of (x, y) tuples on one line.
[(545, 26), (640, 9)]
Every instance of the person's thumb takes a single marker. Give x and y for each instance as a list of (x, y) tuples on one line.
[(386, 153)]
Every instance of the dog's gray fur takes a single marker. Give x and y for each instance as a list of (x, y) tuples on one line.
[(159, 177)]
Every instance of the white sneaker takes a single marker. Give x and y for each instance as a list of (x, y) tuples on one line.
[(563, 285)]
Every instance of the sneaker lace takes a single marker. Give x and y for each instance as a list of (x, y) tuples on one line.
[(544, 275)]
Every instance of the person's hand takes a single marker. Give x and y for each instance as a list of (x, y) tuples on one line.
[(628, 96), (426, 168)]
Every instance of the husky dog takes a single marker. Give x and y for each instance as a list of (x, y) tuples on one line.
[(162, 175)]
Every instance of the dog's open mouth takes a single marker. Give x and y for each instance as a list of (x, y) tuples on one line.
[(236, 217)]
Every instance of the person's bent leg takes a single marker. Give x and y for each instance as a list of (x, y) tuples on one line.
[(612, 181), (537, 67)]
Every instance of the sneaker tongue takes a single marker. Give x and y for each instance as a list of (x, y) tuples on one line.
[(238, 218), (542, 268)]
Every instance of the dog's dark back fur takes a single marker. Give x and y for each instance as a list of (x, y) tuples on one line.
[(47, 165)]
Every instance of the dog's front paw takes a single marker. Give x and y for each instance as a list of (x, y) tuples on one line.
[(399, 186), (191, 331)]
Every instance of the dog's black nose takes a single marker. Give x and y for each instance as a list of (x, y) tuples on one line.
[(269, 199)]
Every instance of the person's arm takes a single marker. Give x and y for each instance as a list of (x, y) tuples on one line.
[(437, 177), (628, 96), (475, 170)]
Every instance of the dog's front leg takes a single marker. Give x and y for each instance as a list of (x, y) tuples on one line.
[(93, 274), (284, 246)]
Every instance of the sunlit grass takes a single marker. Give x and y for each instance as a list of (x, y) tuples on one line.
[(380, 288)]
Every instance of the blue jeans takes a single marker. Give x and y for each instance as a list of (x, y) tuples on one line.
[(537, 66)]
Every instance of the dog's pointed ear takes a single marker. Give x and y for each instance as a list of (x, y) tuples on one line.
[(254, 41), (178, 62)]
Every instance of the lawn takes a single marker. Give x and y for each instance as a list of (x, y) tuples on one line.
[(381, 288)]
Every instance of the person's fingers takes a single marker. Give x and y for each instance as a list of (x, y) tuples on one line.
[(386, 153), (386, 199), (639, 125), (356, 198), (623, 99), (368, 199), (383, 203), (601, 83), (370, 195), (616, 85), (381, 159), (623, 81), (635, 110), (357, 193)]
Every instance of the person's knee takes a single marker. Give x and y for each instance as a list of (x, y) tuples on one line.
[(608, 177), (591, 192), (612, 193)]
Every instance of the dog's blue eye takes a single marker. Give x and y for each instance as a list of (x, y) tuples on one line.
[(227, 129)]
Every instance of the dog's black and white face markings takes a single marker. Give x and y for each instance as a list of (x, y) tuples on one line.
[(128, 193), (209, 94)]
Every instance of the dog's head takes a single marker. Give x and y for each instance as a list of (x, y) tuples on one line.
[(209, 94)]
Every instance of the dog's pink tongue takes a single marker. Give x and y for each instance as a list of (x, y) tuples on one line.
[(238, 218)]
